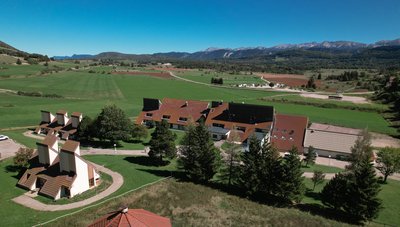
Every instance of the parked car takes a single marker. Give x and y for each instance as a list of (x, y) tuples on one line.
[(3, 137)]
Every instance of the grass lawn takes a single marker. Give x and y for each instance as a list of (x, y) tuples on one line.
[(325, 169), (17, 135), (135, 171)]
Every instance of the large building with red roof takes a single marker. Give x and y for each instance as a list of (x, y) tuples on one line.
[(178, 113), (227, 120), (242, 119), (288, 132)]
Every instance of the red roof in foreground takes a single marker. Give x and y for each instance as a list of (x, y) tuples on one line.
[(132, 217), (289, 131)]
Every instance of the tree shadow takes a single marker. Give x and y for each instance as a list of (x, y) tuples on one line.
[(146, 161), (15, 169), (312, 194), (329, 213)]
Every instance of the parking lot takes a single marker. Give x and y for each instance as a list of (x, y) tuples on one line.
[(8, 148)]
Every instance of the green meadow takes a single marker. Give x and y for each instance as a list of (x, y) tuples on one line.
[(89, 92)]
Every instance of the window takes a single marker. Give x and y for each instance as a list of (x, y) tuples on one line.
[(218, 125), (149, 114), (214, 136), (240, 128), (166, 117), (183, 119)]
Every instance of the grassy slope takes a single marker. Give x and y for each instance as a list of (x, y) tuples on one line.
[(188, 204), (229, 79)]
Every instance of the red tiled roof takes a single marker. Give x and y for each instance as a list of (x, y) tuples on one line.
[(132, 217), (176, 108), (76, 114), (70, 146), (289, 131), (249, 128), (62, 112), (49, 140)]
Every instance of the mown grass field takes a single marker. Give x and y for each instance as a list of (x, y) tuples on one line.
[(229, 79), (89, 92)]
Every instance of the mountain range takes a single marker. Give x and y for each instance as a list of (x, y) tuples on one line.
[(213, 53)]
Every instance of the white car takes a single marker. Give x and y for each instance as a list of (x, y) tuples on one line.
[(3, 137)]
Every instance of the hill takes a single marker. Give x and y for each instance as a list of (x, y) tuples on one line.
[(280, 58), (32, 58)]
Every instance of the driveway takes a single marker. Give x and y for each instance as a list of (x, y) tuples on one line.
[(118, 180), (8, 148)]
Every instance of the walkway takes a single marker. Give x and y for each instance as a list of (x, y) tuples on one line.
[(118, 180), (8, 148), (97, 151)]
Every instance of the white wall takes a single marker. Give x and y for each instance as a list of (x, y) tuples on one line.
[(81, 182)]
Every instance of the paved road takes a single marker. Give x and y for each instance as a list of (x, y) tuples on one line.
[(8, 148), (118, 180)]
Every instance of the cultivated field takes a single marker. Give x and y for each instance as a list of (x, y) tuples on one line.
[(89, 92)]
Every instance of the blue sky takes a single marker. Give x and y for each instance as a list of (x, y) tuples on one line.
[(60, 27)]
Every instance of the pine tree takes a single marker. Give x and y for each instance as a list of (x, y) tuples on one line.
[(270, 164), (361, 151), (249, 174), (354, 192), (291, 184), (231, 168), (199, 158), (310, 156), (162, 143)]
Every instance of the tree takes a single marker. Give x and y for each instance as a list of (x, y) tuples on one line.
[(139, 131), (112, 124), (22, 157), (317, 178), (388, 161), (310, 156), (19, 62), (319, 76), (354, 192), (271, 168), (311, 83), (199, 157), (85, 129), (46, 63), (361, 151), (162, 143), (291, 183), (231, 169), (249, 174)]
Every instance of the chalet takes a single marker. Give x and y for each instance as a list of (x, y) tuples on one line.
[(178, 113), (330, 141), (244, 120), (289, 131), (58, 173), (60, 124)]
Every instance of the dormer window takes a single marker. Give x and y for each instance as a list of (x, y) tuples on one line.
[(183, 119), (240, 128), (149, 114), (218, 125), (166, 117)]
